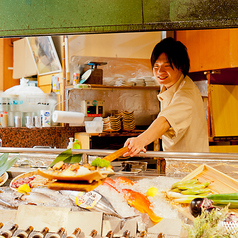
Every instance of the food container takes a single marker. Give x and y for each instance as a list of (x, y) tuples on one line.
[(94, 126)]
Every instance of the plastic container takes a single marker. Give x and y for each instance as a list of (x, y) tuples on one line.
[(5, 119), (94, 126), (45, 118), (71, 141)]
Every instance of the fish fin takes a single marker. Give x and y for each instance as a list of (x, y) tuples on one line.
[(153, 216)]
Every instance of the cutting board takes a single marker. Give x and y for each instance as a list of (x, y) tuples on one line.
[(78, 186)]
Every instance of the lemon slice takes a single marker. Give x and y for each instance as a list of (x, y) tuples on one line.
[(152, 191), (24, 188)]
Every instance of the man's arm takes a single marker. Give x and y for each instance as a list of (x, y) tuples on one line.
[(137, 144)]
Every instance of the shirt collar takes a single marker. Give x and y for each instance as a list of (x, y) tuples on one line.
[(165, 93)]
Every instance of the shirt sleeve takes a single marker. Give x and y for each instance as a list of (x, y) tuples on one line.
[(179, 115)]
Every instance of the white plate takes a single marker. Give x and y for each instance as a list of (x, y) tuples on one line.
[(5, 178)]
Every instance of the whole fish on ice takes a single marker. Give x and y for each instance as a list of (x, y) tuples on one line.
[(135, 199), (92, 201), (141, 203), (40, 196)]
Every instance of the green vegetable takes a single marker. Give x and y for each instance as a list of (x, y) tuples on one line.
[(208, 225), (193, 186), (98, 162), (233, 204), (176, 190), (67, 157), (224, 196), (184, 183), (196, 191)]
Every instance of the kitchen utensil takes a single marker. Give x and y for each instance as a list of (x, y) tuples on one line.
[(116, 154), (85, 76)]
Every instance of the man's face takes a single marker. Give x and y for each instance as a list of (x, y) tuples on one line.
[(164, 73)]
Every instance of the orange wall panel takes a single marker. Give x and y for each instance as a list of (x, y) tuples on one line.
[(210, 49)]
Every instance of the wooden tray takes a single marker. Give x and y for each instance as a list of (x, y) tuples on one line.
[(90, 177), (220, 183), (85, 187)]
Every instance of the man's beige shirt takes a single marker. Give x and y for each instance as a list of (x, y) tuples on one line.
[(183, 108)]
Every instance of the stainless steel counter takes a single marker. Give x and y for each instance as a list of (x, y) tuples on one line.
[(178, 164)]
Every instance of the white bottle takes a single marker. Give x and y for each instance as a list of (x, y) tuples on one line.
[(71, 143), (45, 118)]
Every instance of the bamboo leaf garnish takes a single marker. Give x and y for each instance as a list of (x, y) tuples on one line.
[(67, 157), (8, 164), (62, 157), (3, 158), (75, 158)]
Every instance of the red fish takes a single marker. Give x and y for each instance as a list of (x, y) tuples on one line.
[(141, 203), (111, 184), (124, 180)]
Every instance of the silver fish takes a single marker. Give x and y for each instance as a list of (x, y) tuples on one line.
[(36, 198), (6, 204), (94, 201), (40, 196)]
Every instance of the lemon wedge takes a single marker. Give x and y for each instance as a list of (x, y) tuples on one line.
[(152, 191), (24, 188)]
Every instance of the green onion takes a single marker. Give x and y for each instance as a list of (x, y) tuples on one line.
[(232, 203), (184, 183), (223, 196)]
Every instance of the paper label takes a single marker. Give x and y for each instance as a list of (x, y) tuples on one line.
[(87, 200)]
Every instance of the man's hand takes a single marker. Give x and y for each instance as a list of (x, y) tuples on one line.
[(135, 146)]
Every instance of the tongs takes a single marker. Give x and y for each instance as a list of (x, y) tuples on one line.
[(116, 154)]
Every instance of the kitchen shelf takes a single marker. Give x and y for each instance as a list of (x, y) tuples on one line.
[(106, 87)]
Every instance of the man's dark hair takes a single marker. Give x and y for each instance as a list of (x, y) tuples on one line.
[(176, 52)]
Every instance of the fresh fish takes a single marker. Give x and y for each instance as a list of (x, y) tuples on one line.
[(6, 204), (124, 181), (40, 196), (111, 184), (92, 201), (141, 203), (46, 191), (135, 199)]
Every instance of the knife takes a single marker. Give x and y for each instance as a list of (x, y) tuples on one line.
[(116, 154)]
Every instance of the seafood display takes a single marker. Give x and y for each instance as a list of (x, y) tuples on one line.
[(129, 206)]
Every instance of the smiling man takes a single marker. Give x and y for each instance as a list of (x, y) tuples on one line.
[(181, 123)]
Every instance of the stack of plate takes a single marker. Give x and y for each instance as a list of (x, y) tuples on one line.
[(106, 124), (128, 121), (116, 122), (112, 123)]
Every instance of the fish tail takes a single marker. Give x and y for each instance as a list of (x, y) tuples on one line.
[(153, 216)]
